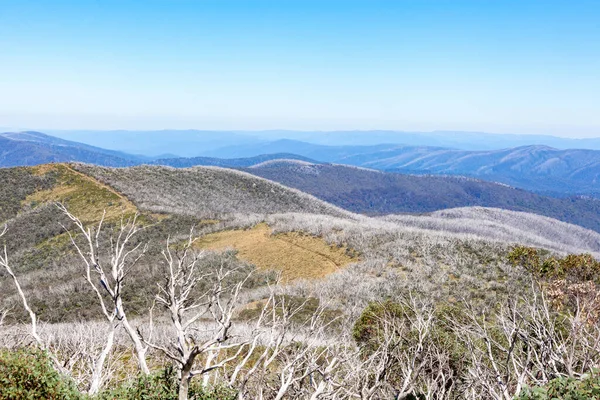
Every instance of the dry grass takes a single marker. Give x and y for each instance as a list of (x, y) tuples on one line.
[(296, 254), (84, 196)]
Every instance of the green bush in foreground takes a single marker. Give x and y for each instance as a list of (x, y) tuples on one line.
[(28, 375), (163, 386), (587, 388)]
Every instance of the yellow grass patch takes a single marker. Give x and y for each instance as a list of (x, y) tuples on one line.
[(295, 254), (84, 196)]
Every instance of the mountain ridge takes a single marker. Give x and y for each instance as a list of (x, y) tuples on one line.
[(374, 192)]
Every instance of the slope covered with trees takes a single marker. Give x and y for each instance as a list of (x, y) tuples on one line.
[(158, 283), (373, 192)]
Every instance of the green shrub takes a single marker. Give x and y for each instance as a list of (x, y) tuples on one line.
[(587, 388), (164, 386), (28, 374), (368, 329), (573, 267)]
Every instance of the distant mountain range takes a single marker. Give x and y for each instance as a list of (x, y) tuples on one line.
[(536, 168), (183, 162), (192, 143), (33, 148)]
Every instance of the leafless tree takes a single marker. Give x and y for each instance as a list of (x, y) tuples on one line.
[(526, 341), (3, 314), (4, 262), (201, 317), (108, 281), (300, 346)]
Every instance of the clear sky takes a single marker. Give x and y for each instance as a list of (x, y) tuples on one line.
[(498, 66)]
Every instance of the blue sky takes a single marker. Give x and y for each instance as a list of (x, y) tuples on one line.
[(498, 66)]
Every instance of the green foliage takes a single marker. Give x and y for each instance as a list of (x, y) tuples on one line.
[(28, 375), (587, 388), (573, 267), (17, 184), (527, 257), (164, 386), (368, 328)]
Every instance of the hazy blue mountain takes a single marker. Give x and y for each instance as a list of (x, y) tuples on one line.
[(33, 148), (305, 149), (183, 162), (182, 143), (537, 168), (374, 192), (191, 143), (449, 139)]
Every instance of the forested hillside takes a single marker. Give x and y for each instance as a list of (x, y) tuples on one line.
[(373, 192), (535, 167), (115, 263)]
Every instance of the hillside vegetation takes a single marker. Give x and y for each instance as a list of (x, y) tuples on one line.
[(206, 191), (372, 192), (202, 261), (534, 167), (82, 194)]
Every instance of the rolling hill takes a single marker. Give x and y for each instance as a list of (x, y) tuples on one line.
[(537, 168), (374, 192), (244, 221), (182, 162), (206, 191), (35, 148)]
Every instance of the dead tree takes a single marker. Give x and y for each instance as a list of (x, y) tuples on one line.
[(41, 344), (292, 354), (526, 342), (4, 262), (200, 303), (108, 280), (3, 314)]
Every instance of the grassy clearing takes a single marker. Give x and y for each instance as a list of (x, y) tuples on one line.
[(84, 196), (296, 254)]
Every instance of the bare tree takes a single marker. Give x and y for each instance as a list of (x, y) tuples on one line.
[(41, 344), (108, 281), (201, 317), (298, 351), (3, 314), (4, 262), (526, 342)]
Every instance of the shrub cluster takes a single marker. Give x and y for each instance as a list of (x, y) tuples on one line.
[(587, 388), (27, 374)]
